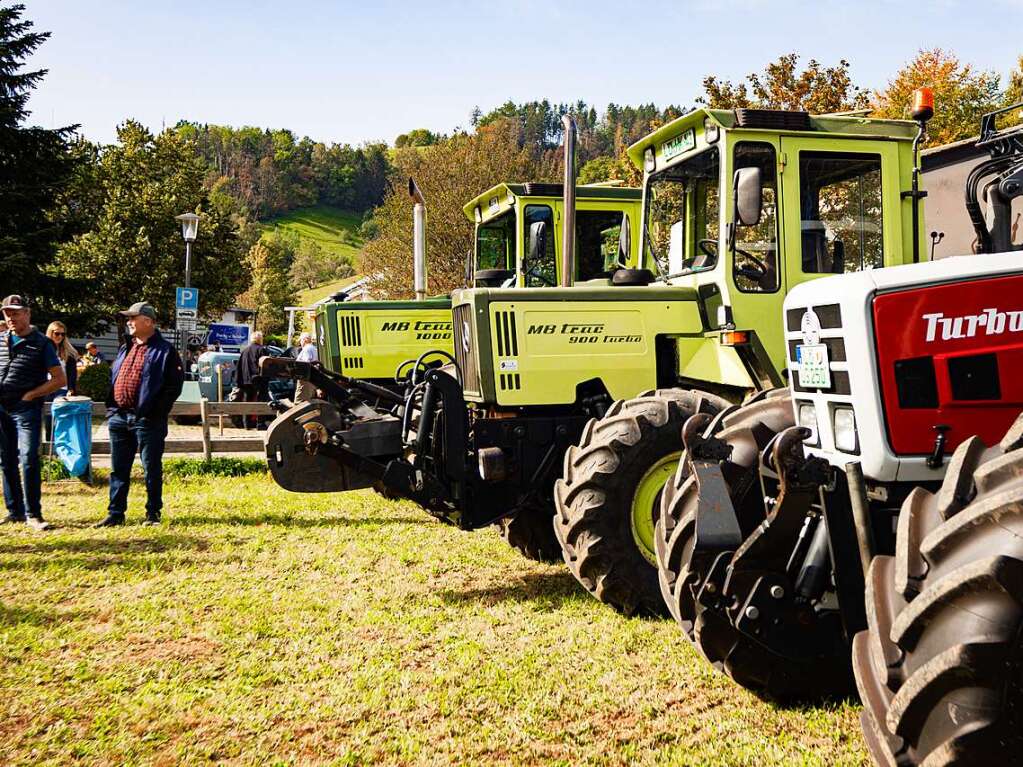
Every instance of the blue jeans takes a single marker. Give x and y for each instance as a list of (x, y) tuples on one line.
[(20, 431), (129, 435)]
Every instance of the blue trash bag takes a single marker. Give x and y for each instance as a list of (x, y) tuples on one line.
[(72, 433)]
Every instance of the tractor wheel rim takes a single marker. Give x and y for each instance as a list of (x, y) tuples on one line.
[(645, 503)]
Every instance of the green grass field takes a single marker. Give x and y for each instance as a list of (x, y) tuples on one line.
[(324, 225), (262, 627)]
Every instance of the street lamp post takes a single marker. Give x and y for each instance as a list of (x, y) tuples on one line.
[(189, 229)]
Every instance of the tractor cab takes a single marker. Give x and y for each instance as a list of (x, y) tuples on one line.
[(518, 233), (744, 205)]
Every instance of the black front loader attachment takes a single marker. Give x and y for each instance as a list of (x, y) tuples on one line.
[(427, 446)]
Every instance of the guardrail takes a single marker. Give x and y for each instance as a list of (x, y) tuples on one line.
[(208, 444)]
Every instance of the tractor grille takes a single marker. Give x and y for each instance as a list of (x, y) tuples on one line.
[(830, 316), (351, 331), (510, 382), (353, 363), (507, 337), (464, 351)]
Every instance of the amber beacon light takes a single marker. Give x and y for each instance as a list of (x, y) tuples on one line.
[(923, 104)]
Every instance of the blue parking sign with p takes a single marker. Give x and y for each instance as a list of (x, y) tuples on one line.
[(187, 298)]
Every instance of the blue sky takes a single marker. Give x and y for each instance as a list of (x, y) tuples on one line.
[(353, 72)]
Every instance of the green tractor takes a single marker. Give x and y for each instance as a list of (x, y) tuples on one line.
[(374, 341), (563, 412)]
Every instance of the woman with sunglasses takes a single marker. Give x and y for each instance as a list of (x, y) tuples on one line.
[(57, 332)]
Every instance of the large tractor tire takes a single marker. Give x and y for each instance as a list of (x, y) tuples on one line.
[(609, 495), (940, 667), (778, 673), (747, 429), (531, 532)]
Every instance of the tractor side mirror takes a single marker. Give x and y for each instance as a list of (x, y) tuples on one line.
[(624, 241), (537, 242), (749, 196)]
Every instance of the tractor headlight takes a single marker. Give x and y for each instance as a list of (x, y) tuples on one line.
[(808, 420), (846, 438), (650, 160)]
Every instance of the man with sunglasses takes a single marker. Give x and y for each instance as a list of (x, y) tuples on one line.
[(29, 370)]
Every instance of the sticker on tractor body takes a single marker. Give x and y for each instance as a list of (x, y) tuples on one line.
[(814, 372), (681, 143)]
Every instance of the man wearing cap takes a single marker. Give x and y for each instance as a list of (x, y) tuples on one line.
[(29, 370), (147, 378), (93, 356)]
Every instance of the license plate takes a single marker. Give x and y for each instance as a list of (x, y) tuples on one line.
[(814, 372)]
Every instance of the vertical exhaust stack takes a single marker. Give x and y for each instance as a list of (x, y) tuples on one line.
[(568, 221), (418, 240)]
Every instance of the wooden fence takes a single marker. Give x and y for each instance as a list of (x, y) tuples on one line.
[(211, 415)]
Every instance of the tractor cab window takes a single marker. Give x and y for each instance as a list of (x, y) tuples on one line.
[(495, 243), (755, 248), (840, 212), (681, 216), (539, 272), (596, 242)]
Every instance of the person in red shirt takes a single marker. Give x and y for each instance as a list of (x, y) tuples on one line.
[(147, 378)]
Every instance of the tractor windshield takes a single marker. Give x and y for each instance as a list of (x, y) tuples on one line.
[(681, 215), (495, 243)]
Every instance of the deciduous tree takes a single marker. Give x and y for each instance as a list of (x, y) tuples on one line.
[(782, 85), (961, 94), (134, 250), (449, 174)]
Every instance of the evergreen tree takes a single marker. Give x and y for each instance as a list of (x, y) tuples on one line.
[(35, 166)]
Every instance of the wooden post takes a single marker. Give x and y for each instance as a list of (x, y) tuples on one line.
[(207, 447), (220, 393)]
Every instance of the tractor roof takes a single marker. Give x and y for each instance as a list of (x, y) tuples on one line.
[(777, 121), (503, 192)]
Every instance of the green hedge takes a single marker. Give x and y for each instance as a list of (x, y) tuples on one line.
[(94, 382)]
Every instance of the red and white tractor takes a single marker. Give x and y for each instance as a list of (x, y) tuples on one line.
[(869, 517)]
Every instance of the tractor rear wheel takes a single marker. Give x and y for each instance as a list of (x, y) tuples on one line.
[(609, 495), (531, 532), (940, 666)]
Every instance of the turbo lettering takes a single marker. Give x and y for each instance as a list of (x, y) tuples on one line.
[(993, 321)]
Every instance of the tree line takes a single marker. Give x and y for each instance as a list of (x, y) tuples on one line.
[(270, 171)]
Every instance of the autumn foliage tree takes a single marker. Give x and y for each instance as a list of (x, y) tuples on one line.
[(449, 174), (961, 94), (783, 85)]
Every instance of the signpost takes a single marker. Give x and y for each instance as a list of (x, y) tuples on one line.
[(186, 311)]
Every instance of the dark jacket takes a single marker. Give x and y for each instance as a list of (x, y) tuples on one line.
[(23, 367), (163, 377), (248, 364)]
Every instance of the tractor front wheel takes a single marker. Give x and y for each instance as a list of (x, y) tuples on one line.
[(940, 666), (609, 496)]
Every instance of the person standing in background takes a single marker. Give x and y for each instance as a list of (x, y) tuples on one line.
[(147, 379), (304, 390), (29, 371), (247, 376), (57, 333)]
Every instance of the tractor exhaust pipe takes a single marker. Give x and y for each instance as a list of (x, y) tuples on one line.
[(418, 240), (568, 220)]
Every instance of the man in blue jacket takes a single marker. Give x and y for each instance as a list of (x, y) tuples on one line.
[(147, 378)]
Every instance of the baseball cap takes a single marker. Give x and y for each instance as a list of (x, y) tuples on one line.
[(14, 301), (140, 307)]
